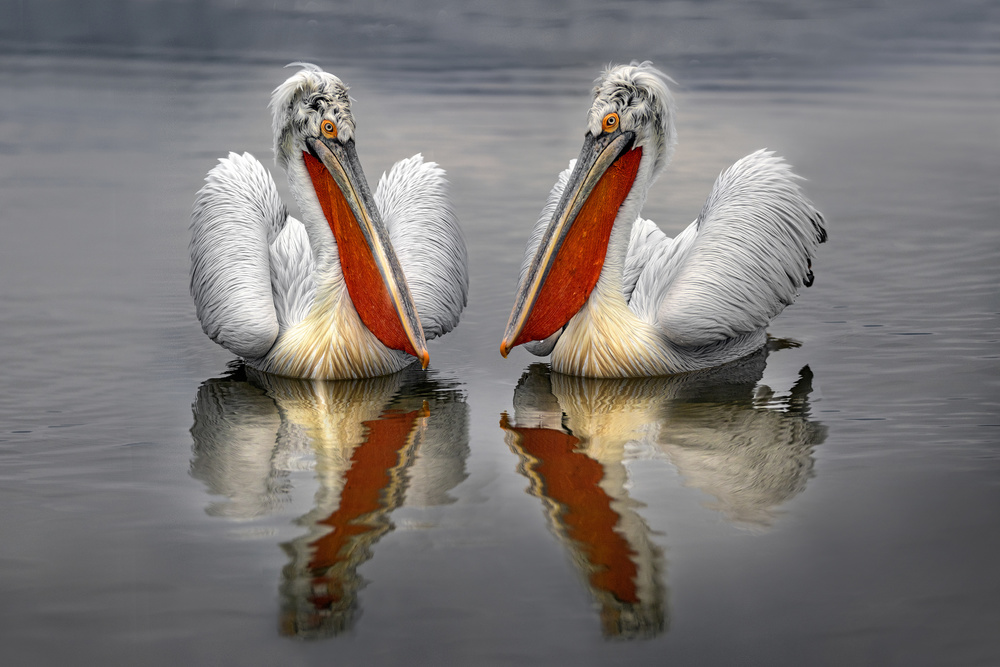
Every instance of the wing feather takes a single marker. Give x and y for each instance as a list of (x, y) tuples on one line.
[(237, 215), (293, 284), (646, 244), (413, 200), (740, 263)]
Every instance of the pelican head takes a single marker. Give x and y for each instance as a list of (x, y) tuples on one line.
[(637, 94), (302, 103), (629, 140), (314, 143)]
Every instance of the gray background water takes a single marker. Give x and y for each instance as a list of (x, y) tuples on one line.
[(833, 503)]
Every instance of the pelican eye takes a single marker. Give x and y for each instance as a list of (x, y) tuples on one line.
[(328, 129), (610, 122)]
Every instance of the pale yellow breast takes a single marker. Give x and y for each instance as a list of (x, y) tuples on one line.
[(606, 339), (331, 343)]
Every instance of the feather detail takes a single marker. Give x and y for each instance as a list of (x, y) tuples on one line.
[(415, 207), (645, 242), (756, 236), (292, 268), (331, 343), (236, 215)]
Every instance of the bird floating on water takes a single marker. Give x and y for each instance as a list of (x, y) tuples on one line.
[(608, 294), (357, 287)]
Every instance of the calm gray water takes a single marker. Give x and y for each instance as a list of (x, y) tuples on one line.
[(833, 500)]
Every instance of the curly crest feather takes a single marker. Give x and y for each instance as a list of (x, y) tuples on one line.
[(638, 92), (303, 101)]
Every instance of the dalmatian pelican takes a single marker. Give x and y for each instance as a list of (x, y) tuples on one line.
[(608, 294), (357, 286)]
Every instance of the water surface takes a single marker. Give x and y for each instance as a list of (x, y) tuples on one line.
[(831, 500)]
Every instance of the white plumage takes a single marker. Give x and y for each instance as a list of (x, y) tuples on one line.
[(272, 289), (661, 306), (432, 253)]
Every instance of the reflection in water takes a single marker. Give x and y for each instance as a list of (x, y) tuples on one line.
[(373, 444), (727, 436)]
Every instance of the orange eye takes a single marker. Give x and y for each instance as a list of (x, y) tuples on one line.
[(610, 122), (328, 129)]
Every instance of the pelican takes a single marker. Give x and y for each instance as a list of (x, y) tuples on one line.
[(608, 294), (360, 284)]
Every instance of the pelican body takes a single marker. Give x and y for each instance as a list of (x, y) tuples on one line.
[(354, 289), (608, 294)]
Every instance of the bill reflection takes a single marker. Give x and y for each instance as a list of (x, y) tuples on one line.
[(373, 444), (747, 447)]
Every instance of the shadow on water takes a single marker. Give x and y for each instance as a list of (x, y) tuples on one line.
[(747, 447), (373, 444)]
